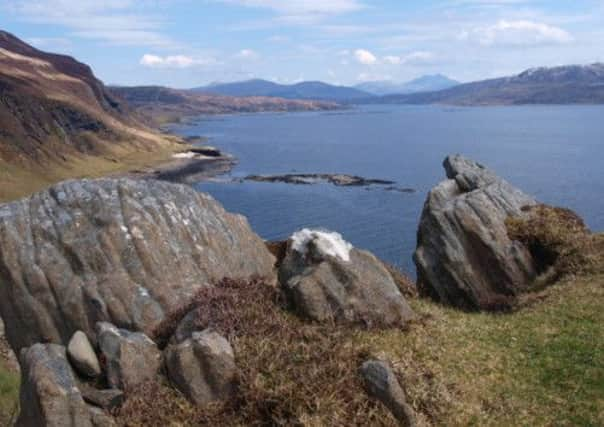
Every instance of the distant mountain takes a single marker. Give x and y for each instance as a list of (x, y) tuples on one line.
[(572, 84), (426, 83), (57, 120), (303, 90), (162, 104)]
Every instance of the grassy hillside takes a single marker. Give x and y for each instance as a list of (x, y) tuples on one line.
[(19, 180), (57, 121)]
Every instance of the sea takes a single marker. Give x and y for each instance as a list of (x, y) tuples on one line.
[(555, 153)]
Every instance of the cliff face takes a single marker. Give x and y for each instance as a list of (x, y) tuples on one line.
[(53, 111)]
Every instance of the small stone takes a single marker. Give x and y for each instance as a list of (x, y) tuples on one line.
[(132, 357), (82, 355), (107, 399), (381, 383), (202, 367)]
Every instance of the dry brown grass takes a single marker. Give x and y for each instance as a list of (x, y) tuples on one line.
[(290, 372), (559, 240)]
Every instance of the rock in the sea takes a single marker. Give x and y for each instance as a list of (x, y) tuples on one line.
[(116, 250), (381, 383), (132, 358), (464, 255), (49, 392), (82, 355), (327, 279), (202, 367)]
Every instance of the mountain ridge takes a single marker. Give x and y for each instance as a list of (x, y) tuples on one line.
[(568, 84), (425, 83), (304, 90)]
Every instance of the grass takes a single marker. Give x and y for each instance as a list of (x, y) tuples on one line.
[(540, 365), (17, 181), (9, 395)]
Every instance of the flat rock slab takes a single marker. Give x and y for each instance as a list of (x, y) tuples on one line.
[(118, 250)]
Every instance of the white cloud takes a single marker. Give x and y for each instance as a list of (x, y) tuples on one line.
[(248, 55), (302, 7), (365, 57), (419, 57), (120, 22), (517, 33), (174, 61)]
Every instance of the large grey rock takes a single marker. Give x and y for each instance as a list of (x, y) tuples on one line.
[(49, 392), (131, 357), (464, 256), (115, 250), (381, 383), (327, 279), (82, 355), (202, 367)]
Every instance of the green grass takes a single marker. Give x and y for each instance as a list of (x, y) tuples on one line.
[(9, 395), (543, 365)]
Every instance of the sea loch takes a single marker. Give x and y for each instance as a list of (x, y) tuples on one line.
[(552, 152)]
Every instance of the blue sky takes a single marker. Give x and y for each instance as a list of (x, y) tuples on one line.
[(187, 43)]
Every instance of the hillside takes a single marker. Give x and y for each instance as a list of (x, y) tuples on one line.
[(303, 90), (574, 84), (426, 83), (161, 104), (57, 120)]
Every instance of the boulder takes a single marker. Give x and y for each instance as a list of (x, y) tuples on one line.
[(49, 391), (202, 367), (82, 355), (381, 383), (327, 279), (464, 255), (116, 250), (131, 358)]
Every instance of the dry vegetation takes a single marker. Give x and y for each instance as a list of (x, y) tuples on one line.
[(20, 180), (541, 365)]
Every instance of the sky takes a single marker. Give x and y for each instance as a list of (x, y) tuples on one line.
[(190, 43)]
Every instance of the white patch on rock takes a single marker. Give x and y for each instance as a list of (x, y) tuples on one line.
[(326, 242)]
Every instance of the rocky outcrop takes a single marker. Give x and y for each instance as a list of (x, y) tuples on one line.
[(327, 279), (131, 357), (115, 250), (202, 367), (49, 392), (82, 355), (381, 383), (464, 255)]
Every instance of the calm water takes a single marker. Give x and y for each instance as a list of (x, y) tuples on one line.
[(555, 153)]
